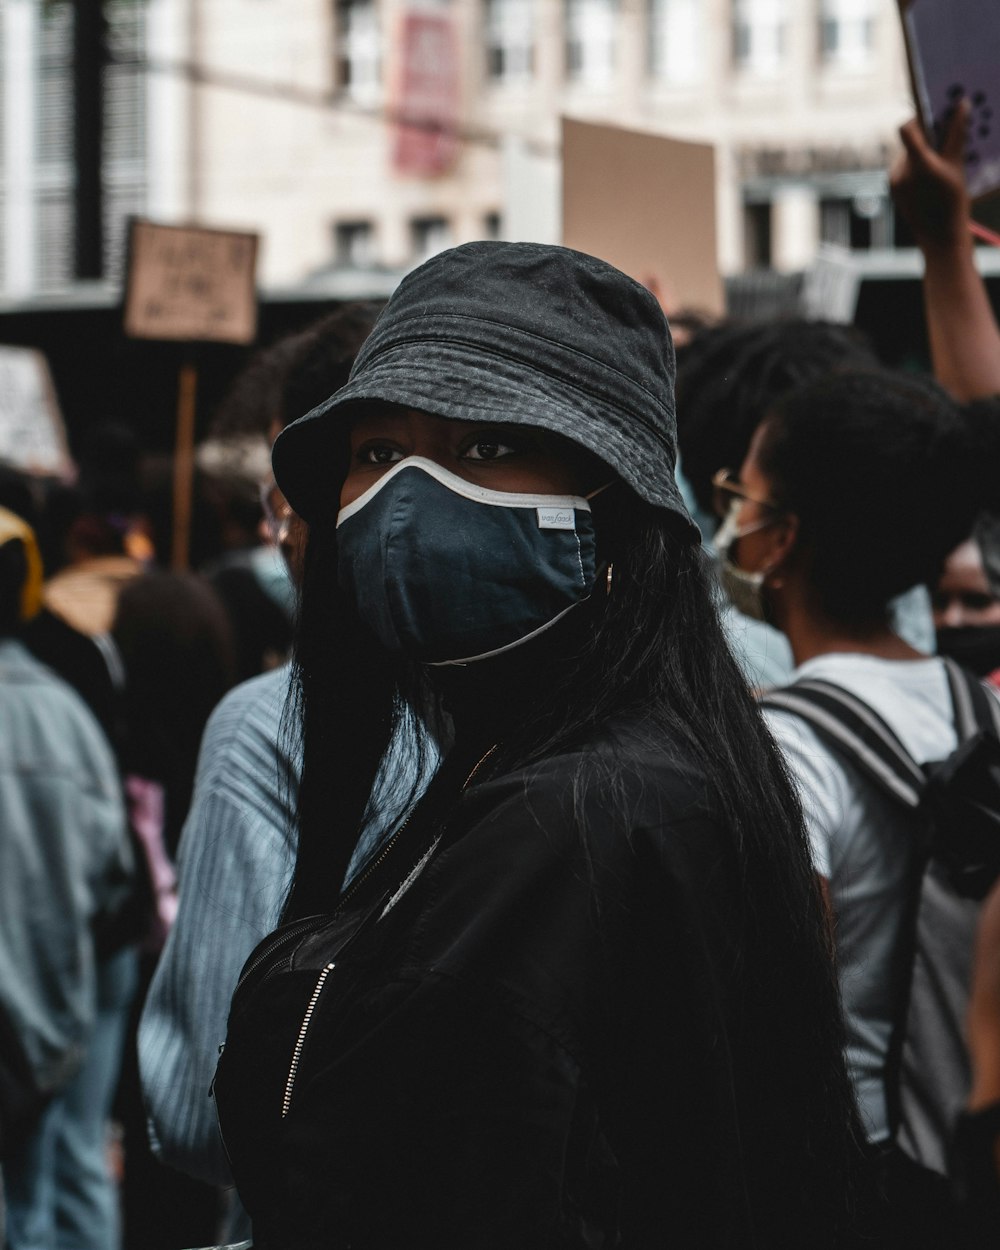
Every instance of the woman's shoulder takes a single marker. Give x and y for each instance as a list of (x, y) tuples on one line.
[(624, 782), (658, 772)]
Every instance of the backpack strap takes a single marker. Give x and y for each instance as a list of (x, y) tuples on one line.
[(854, 729), (856, 732), (977, 708)]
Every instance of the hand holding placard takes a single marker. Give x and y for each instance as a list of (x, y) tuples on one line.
[(929, 187)]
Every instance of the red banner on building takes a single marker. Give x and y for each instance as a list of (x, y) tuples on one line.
[(427, 98)]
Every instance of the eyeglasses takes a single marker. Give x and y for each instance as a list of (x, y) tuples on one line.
[(727, 489)]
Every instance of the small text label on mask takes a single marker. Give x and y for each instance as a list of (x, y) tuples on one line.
[(556, 519)]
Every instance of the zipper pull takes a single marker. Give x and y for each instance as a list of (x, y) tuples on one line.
[(211, 1088)]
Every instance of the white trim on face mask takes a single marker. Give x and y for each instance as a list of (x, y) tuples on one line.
[(730, 531), (468, 490), (518, 642)]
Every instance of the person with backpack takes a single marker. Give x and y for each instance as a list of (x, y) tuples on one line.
[(583, 996), (854, 489)]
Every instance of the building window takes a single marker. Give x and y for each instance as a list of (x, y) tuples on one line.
[(676, 40), (510, 39), (861, 222), (590, 41), (847, 33), (54, 88), (428, 236), (760, 32), (757, 235), (358, 49), (125, 127), (53, 170), (354, 244), (49, 161)]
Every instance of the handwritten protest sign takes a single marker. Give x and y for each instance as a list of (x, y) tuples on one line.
[(32, 434), (191, 284)]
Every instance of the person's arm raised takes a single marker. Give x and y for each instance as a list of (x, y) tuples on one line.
[(929, 190)]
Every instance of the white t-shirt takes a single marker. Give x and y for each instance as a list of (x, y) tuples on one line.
[(862, 841)]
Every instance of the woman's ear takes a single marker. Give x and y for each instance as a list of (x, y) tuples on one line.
[(784, 538)]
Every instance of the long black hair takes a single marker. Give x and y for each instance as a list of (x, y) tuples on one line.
[(731, 374)]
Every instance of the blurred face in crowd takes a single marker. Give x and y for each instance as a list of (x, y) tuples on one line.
[(498, 457), (962, 596), (283, 527), (764, 528)]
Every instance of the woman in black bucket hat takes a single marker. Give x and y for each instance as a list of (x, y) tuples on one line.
[(583, 996)]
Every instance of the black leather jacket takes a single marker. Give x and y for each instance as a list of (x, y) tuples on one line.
[(548, 1040)]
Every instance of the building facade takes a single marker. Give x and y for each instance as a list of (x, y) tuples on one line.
[(296, 118)]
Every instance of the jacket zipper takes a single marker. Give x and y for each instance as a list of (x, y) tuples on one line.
[(300, 1040)]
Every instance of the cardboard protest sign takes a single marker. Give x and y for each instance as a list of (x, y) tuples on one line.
[(646, 203), (190, 284), (32, 434), (953, 48)]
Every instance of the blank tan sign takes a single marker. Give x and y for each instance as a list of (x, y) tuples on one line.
[(191, 284), (646, 203)]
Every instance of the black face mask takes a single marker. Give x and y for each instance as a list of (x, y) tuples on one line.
[(448, 572), (975, 647)]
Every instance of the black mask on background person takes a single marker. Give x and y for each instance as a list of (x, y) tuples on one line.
[(975, 647)]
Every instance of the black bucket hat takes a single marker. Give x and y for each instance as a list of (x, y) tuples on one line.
[(519, 333)]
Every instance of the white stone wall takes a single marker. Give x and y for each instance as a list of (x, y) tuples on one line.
[(292, 169)]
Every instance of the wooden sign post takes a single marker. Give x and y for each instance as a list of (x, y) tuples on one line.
[(190, 285), (184, 465)]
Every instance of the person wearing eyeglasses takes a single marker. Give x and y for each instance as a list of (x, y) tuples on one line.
[(853, 490), (728, 378)]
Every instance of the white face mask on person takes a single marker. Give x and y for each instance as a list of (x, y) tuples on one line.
[(744, 589)]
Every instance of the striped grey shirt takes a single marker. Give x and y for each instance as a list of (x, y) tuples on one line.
[(235, 863)]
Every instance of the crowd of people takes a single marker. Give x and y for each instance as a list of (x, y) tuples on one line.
[(563, 808)]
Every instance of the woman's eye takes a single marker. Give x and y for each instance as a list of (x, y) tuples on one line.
[(378, 453), (485, 449)]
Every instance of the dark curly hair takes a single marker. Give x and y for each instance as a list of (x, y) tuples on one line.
[(283, 381), (886, 475), (730, 375)]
